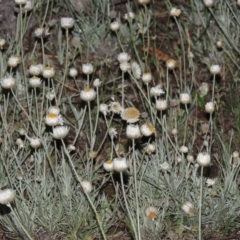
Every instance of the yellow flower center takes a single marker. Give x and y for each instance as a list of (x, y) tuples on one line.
[(87, 89), (170, 61), (151, 127), (152, 215), (109, 161), (47, 68), (52, 115), (121, 148)]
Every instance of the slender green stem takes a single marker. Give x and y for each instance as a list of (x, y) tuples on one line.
[(86, 194), (126, 204), (136, 189), (79, 178), (22, 58), (213, 87), (183, 52), (65, 69), (27, 115), (123, 90), (23, 228), (90, 123), (96, 214), (200, 207), (167, 95), (97, 116), (43, 53), (119, 42), (45, 15)]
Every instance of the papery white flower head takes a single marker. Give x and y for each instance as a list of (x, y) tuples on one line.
[(35, 142), (73, 72), (20, 2), (22, 131), (97, 83), (71, 148), (28, 6), (171, 63), (67, 22), (204, 89), (136, 70), (50, 95), (125, 67), (219, 44), (190, 158), (112, 132), (210, 182), (208, 3), (8, 82), (123, 57), (114, 26), (120, 164), (35, 82), (164, 166), (161, 104), (188, 208), (203, 159), (185, 98), (2, 43), (178, 159), (129, 16), (19, 142), (115, 107), (151, 212), (48, 72), (235, 154), (60, 132), (183, 149), (174, 131), (209, 107), (108, 165), (14, 60), (143, 2), (196, 165), (131, 115), (147, 77), (133, 131), (88, 94), (87, 68), (36, 70), (103, 108), (7, 196), (54, 110), (150, 148), (87, 186), (41, 32), (156, 91), (215, 69), (53, 119), (175, 12), (147, 129)]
